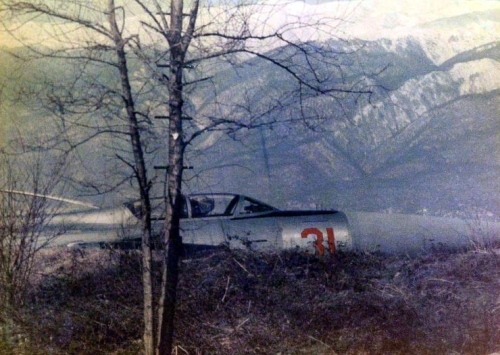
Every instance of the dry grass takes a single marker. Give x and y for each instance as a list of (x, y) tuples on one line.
[(290, 303)]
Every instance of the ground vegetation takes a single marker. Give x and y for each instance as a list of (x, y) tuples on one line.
[(239, 302)]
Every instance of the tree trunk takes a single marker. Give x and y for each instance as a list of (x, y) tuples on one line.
[(142, 180), (173, 242)]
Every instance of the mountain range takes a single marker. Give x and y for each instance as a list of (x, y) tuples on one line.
[(430, 145), (427, 141)]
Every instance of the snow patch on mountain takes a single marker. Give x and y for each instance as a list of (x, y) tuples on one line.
[(477, 77)]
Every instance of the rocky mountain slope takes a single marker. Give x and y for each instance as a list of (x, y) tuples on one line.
[(429, 144)]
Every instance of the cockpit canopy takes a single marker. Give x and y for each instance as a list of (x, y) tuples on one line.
[(209, 205)]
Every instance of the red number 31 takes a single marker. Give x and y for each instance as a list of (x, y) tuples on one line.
[(319, 239)]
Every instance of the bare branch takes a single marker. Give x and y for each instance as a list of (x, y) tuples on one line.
[(43, 9)]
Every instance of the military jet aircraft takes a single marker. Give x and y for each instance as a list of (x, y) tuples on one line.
[(237, 221)]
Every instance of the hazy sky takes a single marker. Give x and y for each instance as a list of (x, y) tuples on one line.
[(366, 19)]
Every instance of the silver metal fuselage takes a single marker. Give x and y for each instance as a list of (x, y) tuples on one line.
[(241, 222)]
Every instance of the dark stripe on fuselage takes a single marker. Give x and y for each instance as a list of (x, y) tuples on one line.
[(288, 214)]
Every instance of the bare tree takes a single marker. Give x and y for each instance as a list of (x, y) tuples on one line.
[(25, 212), (168, 42)]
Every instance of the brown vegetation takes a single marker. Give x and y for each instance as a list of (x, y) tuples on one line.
[(232, 302)]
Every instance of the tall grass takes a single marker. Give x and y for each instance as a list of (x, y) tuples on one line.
[(232, 302)]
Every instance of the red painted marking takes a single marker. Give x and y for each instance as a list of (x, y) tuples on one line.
[(318, 244)]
